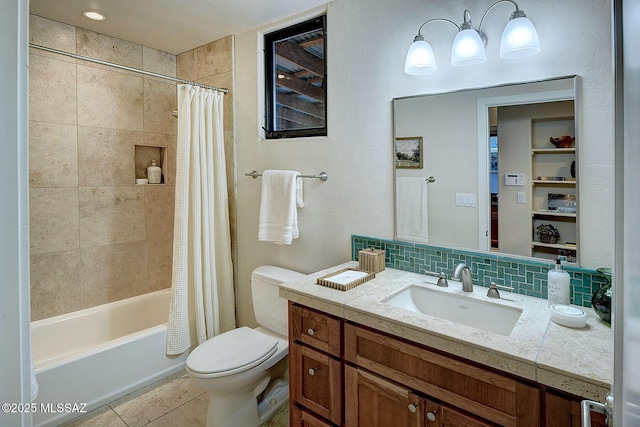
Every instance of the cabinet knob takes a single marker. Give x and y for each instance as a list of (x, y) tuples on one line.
[(311, 331), (312, 371), (431, 416), (413, 407)]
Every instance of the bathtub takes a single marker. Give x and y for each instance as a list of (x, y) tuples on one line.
[(90, 357)]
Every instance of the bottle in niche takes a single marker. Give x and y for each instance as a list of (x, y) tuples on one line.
[(154, 173)]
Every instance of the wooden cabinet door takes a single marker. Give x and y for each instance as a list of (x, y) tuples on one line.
[(373, 401), (316, 381), (565, 411)]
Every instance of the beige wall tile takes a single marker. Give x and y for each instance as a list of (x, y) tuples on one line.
[(53, 219), (110, 49), (159, 263), (112, 272), (105, 156), (160, 101), (158, 61), (111, 215), (159, 211), (53, 34), (109, 99), (52, 90), (215, 57), (187, 65), (55, 283), (53, 157)]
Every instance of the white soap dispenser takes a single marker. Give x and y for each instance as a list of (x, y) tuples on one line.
[(558, 285), (154, 173)]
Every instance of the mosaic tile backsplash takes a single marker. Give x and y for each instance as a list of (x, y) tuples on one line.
[(525, 276)]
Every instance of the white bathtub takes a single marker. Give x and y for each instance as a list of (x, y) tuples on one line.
[(99, 354)]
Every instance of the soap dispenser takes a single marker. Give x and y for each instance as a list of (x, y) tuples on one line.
[(154, 173), (558, 286)]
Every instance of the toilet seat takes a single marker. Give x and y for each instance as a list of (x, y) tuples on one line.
[(231, 352)]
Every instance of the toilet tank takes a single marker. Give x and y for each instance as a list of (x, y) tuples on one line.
[(271, 310)]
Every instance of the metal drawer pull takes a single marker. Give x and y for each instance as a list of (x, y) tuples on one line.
[(312, 371), (431, 416), (311, 331), (413, 407)]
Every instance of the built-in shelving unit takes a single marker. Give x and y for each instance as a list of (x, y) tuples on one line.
[(560, 178)]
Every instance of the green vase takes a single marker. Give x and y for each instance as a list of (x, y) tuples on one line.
[(601, 299)]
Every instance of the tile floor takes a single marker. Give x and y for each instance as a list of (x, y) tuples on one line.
[(173, 401)]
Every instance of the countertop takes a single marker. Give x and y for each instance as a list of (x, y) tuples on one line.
[(576, 361)]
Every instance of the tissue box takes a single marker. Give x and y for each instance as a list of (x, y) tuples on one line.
[(371, 260)]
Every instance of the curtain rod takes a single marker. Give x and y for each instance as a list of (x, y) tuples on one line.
[(124, 67)]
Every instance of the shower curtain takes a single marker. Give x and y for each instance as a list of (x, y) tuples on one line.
[(202, 302)]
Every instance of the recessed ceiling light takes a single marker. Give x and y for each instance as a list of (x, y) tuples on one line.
[(96, 16)]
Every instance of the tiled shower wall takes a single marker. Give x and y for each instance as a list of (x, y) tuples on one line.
[(96, 237)]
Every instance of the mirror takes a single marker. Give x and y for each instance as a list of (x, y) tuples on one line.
[(486, 169)]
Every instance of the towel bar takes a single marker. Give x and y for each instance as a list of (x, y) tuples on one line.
[(322, 176)]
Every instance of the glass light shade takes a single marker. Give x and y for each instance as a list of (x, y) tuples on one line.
[(468, 48), (420, 60), (519, 39)]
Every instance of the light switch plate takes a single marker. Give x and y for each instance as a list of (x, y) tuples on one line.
[(521, 198), (465, 199)]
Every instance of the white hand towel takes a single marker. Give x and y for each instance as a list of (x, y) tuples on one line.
[(411, 215), (278, 221)]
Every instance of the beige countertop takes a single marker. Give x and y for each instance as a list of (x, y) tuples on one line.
[(577, 361)]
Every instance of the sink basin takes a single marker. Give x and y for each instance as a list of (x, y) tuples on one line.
[(467, 311)]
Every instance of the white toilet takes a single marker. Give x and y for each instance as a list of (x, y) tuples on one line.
[(236, 367)]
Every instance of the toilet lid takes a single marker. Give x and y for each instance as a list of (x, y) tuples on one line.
[(231, 352)]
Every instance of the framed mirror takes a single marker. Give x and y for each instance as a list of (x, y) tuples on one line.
[(499, 169)]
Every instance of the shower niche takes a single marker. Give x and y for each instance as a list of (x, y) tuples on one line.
[(144, 155)]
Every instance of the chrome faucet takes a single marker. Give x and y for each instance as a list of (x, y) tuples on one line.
[(467, 280)]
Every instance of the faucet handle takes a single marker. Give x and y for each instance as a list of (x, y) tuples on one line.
[(493, 290), (442, 280)]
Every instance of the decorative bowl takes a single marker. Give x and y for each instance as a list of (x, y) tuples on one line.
[(564, 141)]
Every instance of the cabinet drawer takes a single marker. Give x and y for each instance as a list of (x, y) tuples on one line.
[(316, 381), (319, 330), (492, 396), (301, 418)]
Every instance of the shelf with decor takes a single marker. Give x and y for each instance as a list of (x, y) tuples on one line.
[(554, 187), (553, 213)]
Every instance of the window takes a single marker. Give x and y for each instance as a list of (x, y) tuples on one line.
[(296, 80)]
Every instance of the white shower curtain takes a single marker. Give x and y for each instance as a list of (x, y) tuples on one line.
[(202, 302)]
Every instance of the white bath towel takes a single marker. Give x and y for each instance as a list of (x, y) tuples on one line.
[(411, 209), (280, 197)]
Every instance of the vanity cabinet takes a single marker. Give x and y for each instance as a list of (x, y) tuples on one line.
[(553, 172), (489, 395), (315, 366), (345, 374)]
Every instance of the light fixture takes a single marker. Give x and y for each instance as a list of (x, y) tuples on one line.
[(92, 14), (519, 39)]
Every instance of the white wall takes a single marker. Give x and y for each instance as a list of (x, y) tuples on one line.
[(367, 43), (14, 245)]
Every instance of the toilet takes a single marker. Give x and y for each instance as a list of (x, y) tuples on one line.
[(244, 370)]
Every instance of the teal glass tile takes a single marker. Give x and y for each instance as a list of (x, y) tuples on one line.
[(526, 276)]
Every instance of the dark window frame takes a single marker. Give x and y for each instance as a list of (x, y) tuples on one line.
[(270, 40)]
